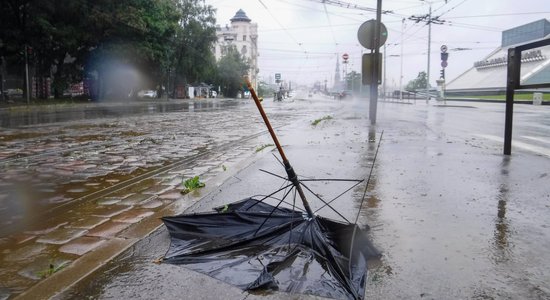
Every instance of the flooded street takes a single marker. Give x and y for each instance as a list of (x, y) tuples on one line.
[(453, 217)]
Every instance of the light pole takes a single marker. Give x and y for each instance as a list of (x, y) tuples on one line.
[(429, 20), (27, 86), (401, 70)]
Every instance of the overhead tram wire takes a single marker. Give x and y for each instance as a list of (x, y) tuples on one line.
[(283, 27), (501, 15)]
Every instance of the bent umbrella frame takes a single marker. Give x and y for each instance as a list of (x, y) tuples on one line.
[(255, 245)]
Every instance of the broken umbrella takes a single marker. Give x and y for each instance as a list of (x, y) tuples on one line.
[(259, 246)]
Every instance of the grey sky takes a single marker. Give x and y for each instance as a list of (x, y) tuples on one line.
[(301, 39)]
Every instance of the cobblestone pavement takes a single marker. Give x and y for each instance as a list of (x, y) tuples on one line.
[(67, 188)]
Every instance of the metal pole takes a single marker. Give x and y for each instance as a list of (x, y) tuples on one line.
[(401, 71), (27, 75), (512, 80), (384, 83), (375, 75), (429, 49)]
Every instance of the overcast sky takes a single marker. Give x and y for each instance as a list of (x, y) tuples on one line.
[(301, 39)]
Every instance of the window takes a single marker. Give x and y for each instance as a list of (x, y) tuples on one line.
[(244, 38)]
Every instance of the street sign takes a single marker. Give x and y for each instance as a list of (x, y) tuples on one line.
[(444, 64), (367, 67), (278, 76), (443, 48), (365, 34), (345, 56)]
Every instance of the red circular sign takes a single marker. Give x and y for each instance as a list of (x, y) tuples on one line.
[(444, 64), (345, 56)]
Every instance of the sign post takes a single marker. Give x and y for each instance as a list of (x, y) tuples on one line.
[(372, 35), (444, 64)]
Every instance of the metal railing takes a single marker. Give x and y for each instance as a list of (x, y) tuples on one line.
[(513, 83)]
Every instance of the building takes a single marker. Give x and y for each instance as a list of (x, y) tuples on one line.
[(488, 75), (243, 34)]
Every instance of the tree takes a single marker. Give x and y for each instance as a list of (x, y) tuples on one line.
[(120, 45), (231, 69), (419, 83), (264, 89), (353, 81), (133, 46), (193, 58)]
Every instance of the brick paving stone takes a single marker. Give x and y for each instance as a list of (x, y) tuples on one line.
[(47, 229), (109, 200), (153, 203), (21, 238), (88, 222), (82, 245), (61, 236), (108, 229), (136, 199), (26, 252), (157, 189), (40, 267), (110, 210), (133, 216), (171, 195)]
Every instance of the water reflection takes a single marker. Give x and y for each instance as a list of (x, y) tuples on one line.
[(501, 235), (26, 116)]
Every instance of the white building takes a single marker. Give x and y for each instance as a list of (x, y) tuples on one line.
[(244, 36), (488, 75)]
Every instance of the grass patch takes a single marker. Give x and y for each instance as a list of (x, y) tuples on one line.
[(517, 97), (192, 184), (317, 121), (52, 269), (262, 147)]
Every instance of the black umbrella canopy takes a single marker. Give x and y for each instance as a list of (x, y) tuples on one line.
[(254, 245)]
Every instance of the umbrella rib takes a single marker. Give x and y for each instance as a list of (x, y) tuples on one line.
[(273, 174), (268, 196), (326, 204), (272, 211), (333, 179)]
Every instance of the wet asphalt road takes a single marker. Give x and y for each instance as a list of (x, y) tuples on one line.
[(452, 215)]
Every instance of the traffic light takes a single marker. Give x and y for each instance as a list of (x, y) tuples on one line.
[(442, 74)]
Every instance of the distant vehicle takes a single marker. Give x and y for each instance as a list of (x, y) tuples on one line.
[(147, 94)]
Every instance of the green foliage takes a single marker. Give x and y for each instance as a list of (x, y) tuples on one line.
[(317, 121), (421, 82), (231, 69), (353, 81), (262, 147), (193, 57), (52, 269), (264, 89), (87, 38), (192, 184)]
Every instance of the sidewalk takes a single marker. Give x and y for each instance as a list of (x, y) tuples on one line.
[(453, 217)]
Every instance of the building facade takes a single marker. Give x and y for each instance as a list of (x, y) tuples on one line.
[(242, 34), (488, 75)]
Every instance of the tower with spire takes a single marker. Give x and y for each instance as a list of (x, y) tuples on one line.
[(337, 73)]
